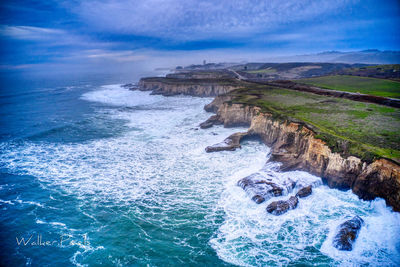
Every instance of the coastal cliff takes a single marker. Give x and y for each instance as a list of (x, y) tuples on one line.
[(193, 87), (295, 144), (297, 148)]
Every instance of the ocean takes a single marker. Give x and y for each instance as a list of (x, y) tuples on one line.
[(94, 174)]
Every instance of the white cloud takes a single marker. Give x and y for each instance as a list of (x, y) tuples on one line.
[(30, 32), (194, 19), (117, 56), (48, 37)]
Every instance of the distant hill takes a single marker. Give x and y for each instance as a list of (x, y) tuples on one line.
[(371, 56), (291, 70)]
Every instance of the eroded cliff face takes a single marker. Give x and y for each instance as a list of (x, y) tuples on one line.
[(296, 147), (195, 89)]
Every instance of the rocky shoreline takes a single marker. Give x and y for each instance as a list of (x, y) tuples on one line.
[(293, 144)]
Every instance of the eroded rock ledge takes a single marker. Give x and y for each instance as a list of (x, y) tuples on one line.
[(295, 146)]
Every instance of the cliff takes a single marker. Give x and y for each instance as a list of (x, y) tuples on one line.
[(193, 87), (297, 148)]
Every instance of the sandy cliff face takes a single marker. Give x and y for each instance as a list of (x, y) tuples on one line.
[(202, 89), (296, 147)]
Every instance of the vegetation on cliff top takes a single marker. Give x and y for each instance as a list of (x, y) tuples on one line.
[(356, 84), (365, 130), (387, 71), (292, 70)]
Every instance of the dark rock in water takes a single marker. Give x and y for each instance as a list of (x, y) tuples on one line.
[(258, 199), (213, 120), (304, 192), (206, 124), (161, 92), (130, 86), (282, 206), (260, 188), (229, 144), (348, 232), (224, 146)]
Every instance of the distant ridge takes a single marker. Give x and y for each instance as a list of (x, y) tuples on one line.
[(369, 56)]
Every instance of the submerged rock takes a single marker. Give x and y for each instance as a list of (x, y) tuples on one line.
[(304, 192), (282, 206), (348, 232)]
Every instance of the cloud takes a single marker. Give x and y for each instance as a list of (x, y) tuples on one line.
[(117, 56), (110, 33), (30, 33), (194, 20), (15, 67), (48, 36)]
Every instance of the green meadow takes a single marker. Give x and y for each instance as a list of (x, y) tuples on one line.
[(267, 70), (356, 84), (365, 130)]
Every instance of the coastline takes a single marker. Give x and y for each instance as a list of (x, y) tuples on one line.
[(293, 143)]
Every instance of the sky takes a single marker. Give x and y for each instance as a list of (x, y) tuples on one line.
[(115, 35)]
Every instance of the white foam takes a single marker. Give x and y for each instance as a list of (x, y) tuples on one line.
[(128, 167), (378, 240), (33, 203), (118, 96), (58, 224), (6, 202), (250, 236)]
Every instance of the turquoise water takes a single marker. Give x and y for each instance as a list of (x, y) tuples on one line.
[(120, 178)]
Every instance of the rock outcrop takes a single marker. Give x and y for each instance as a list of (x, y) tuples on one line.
[(347, 234), (229, 144), (304, 192), (213, 120), (296, 147), (379, 179), (216, 103), (282, 206), (261, 188)]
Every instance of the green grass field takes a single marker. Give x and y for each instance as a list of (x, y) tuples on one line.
[(355, 84), (368, 130), (268, 70), (384, 67)]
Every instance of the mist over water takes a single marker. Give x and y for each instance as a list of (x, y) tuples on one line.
[(125, 176)]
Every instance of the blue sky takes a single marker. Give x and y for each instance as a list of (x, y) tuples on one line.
[(99, 34)]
